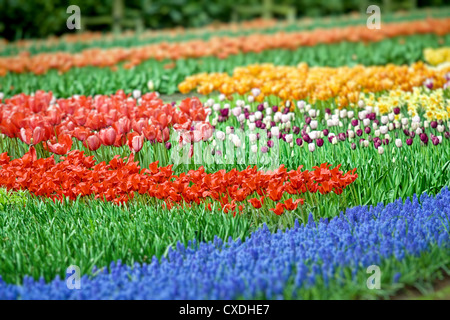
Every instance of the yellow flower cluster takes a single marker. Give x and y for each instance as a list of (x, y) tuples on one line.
[(343, 84), (437, 56), (432, 104)]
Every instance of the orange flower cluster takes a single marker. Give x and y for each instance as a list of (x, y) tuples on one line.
[(96, 121), (118, 181), (220, 47), (317, 83)]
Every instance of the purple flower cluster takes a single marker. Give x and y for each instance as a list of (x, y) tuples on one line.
[(264, 264)]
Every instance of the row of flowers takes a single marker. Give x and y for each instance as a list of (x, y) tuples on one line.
[(119, 180), (220, 47), (312, 127), (342, 84), (99, 120), (272, 266)]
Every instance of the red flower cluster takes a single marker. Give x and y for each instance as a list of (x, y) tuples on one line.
[(96, 121), (79, 175)]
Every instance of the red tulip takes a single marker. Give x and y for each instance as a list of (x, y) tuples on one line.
[(92, 142), (135, 141), (108, 136), (62, 146)]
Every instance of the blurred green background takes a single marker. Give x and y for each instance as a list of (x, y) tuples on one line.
[(42, 18)]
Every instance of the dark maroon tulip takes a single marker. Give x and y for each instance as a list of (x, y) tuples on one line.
[(409, 141), (299, 141), (359, 132), (168, 145), (270, 143), (247, 115), (307, 138), (412, 134), (287, 130), (341, 136), (376, 144), (283, 136), (295, 130), (258, 136), (371, 116), (326, 132), (367, 130), (435, 140), (355, 122), (385, 141), (258, 123), (377, 140), (434, 124), (406, 132), (275, 108), (353, 146), (272, 123), (447, 134), (328, 110), (396, 110), (269, 135), (308, 120), (424, 138), (224, 112), (260, 107), (280, 135), (263, 125), (376, 121), (286, 111), (319, 142)]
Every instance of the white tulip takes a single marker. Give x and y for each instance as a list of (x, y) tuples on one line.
[(398, 143)]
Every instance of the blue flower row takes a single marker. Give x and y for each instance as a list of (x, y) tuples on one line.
[(267, 264)]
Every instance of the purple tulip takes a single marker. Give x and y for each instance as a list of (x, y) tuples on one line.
[(258, 123), (396, 110), (275, 108), (406, 132), (272, 123), (447, 134), (424, 138), (224, 112), (434, 124), (168, 145), (263, 125), (353, 146), (269, 135), (409, 141), (385, 141), (376, 121), (308, 120), (412, 134), (355, 122), (260, 107), (319, 142), (295, 130), (341, 136), (435, 140), (328, 110), (270, 143), (367, 130), (299, 141), (307, 138), (326, 132), (286, 111), (359, 132)]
